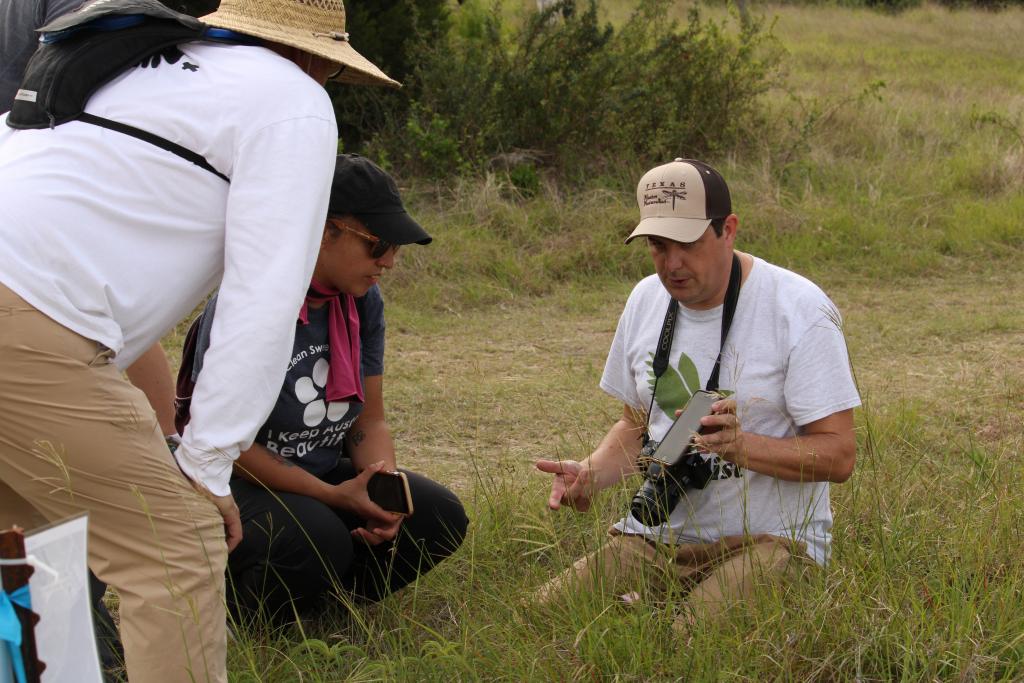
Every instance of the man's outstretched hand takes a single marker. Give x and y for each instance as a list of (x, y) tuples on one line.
[(572, 485)]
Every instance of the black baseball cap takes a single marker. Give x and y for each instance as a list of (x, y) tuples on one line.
[(363, 189)]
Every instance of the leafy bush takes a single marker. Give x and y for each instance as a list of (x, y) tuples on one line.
[(583, 95), (895, 6), (887, 5), (981, 4), (385, 32)]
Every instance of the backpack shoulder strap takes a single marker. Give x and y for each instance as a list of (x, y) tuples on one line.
[(153, 139)]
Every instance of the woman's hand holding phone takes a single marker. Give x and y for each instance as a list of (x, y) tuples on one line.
[(352, 496)]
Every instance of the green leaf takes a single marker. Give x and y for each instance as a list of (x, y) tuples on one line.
[(672, 392), (689, 374)]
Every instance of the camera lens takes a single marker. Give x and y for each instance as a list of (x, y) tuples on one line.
[(654, 501)]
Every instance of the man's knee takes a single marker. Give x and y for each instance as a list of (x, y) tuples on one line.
[(623, 564), (762, 565)]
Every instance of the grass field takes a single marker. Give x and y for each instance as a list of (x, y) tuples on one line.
[(905, 202)]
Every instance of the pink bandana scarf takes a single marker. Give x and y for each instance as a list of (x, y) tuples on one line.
[(344, 380)]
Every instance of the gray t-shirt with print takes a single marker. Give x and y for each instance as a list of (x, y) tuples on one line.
[(303, 426)]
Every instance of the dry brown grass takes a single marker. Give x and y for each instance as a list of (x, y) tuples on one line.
[(489, 392)]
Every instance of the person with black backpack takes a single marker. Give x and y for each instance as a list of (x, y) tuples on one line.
[(148, 158), (19, 20)]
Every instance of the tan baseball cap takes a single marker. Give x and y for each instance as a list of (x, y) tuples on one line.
[(678, 200)]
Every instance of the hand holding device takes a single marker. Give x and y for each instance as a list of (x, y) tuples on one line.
[(675, 464), (723, 434), (678, 441), (390, 490), (353, 496)]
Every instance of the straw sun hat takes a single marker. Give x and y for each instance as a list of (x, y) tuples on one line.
[(313, 26)]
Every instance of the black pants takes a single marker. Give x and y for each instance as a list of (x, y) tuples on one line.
[(108, 642), (295, 549)]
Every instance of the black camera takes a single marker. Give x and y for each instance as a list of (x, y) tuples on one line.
[(675, 464)]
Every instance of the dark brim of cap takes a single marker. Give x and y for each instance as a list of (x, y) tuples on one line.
[(397, 227)]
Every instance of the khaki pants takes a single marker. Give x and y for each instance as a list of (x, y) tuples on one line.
[(74, 436), (713, 575)]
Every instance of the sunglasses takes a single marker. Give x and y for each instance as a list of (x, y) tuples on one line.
[(378, 247)]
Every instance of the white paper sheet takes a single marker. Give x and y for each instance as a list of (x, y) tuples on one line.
[(65, 641)]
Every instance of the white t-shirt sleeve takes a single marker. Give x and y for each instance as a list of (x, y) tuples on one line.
[(818, 377), (276, 208)]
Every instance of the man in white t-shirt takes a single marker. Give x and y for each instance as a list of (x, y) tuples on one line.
[(108, 239), (781, 432)]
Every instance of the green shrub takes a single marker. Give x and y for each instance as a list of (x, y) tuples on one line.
[(897, 6), (525, 179), (994, 5), (585, 96), (385, 32), (888, 5)]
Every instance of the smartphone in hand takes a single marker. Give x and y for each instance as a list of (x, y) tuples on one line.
[(390, 490), (679, 439)]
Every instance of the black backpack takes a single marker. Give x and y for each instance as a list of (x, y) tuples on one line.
[(83, 50)]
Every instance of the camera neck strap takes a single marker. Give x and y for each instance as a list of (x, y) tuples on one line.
[(668, 330)]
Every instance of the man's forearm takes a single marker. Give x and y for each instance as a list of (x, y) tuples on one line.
[(810, 457), (824, 450), (615, 457)]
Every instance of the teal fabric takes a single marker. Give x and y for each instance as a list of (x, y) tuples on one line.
[(10, 626)]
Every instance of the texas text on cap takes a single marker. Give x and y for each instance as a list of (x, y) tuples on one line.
[(679, 199), (363, 189)]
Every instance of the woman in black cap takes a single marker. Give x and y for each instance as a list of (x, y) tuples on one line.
[(309, 524)]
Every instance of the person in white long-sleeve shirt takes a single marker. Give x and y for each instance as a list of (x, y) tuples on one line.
[(106, 242)]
